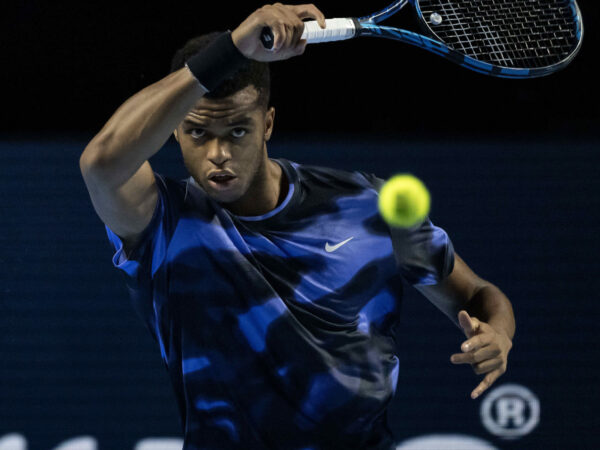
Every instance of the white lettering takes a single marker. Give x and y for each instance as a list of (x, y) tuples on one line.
[(510, 409)]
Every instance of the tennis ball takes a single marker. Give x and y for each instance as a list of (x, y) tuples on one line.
[(404, 201)]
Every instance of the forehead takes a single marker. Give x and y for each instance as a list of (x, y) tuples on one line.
[(243, 103)]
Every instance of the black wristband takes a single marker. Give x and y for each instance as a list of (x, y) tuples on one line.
[(217, 62)]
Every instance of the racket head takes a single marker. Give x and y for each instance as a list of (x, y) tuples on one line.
[(504, 38), (539, 35)]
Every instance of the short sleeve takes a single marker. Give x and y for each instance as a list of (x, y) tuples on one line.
[(424, 253), (150, 251), (373, 181)]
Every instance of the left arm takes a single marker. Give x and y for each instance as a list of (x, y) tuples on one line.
[(484, 313)]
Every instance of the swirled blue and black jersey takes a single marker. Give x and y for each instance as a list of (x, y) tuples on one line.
[(277, 331)]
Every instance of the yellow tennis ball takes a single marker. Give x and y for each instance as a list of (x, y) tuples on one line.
[(404, 201)]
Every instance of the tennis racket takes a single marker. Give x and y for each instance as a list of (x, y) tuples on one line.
[(502, 38)]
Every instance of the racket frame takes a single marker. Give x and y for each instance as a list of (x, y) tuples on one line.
[(348, 28), (367, 26)]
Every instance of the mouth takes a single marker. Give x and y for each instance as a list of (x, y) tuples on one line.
[(221, 180)]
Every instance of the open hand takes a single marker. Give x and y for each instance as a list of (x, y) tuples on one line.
[(485, 349)]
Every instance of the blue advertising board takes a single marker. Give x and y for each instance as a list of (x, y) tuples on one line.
[(79, 370)]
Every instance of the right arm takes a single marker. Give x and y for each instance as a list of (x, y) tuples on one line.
[(115, 164)]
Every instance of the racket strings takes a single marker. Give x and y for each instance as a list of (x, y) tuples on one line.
[(509, 33)]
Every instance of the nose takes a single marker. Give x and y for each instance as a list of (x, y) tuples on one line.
[(218, 151)]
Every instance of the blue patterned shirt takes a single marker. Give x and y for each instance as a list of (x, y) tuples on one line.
[(277, 330)]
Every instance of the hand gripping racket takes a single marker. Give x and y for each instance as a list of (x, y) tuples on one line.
[(502, 38)]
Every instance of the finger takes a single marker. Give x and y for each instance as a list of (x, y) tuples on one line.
[(278, 30), (277, 21), (477, 342), (486, 353), (489, 379), (310, 12), (294, 25), (465, 321), (298, 30), (461, 358), (487, 366), (469, 324), (293, 28), (289, 39)]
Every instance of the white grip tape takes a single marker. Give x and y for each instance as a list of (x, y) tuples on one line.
[(335, 30)]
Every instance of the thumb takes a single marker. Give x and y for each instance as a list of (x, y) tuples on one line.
[(467, 323)]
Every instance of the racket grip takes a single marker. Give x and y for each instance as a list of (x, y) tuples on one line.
[(335, 30)]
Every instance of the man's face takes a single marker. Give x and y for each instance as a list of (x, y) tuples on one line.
[(223, 143)]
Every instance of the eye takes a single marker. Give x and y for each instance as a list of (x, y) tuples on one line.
[(238, 132), (197, 133)]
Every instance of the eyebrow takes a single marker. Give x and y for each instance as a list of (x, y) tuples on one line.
[(232, 123)]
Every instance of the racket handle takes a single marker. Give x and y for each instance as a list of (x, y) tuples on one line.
[(335, 30)]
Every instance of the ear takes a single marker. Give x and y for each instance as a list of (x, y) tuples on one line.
[(269, 121)]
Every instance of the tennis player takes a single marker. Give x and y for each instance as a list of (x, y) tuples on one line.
[(271, 287)]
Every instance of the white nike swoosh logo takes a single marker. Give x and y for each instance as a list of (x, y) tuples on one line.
[(332, 248)]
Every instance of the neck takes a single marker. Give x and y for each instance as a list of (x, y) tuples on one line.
[(267, 191)]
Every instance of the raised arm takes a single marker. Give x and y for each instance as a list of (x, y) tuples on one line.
[(115, 163)]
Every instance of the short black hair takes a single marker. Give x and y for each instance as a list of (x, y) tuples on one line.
[(254, 73)]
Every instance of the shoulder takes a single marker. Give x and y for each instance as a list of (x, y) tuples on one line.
[(175, 192), (171, 185), (178, 197), (327, 177)]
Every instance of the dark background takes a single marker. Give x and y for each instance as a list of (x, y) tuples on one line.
[(69, 65), (512, 166)]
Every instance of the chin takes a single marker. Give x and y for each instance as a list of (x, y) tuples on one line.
[(223, 195)]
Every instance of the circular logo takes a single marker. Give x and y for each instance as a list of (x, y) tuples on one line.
[(510, 411)]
